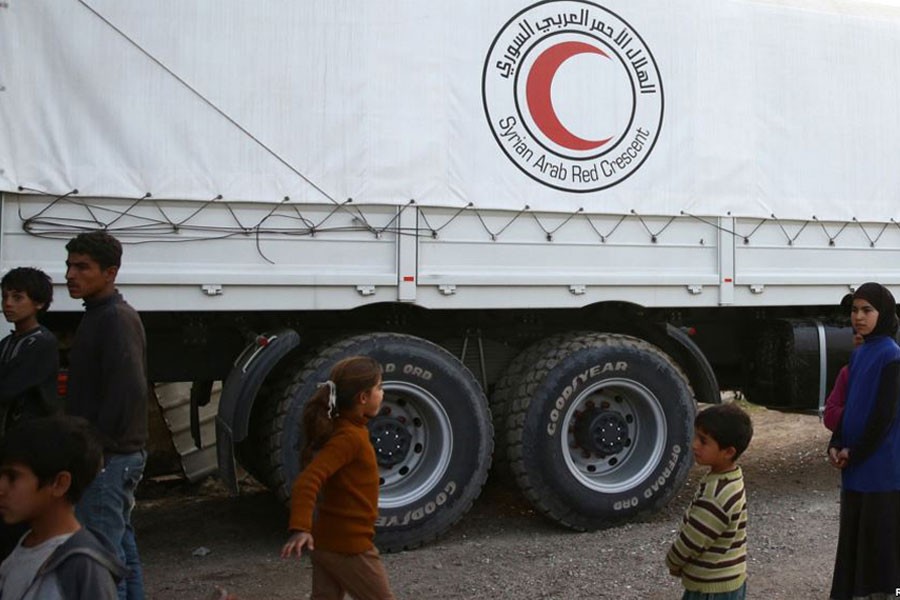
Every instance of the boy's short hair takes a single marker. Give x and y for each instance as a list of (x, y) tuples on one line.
[(33, 282), (728, 424), (99, 245), (50, 445)]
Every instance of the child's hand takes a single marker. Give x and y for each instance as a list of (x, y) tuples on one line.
[(838, 458), (844, 457), (296, 542)]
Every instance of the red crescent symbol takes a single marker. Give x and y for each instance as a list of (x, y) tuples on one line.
[(537, 93)]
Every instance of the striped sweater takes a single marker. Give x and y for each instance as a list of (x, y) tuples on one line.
[(711, 548)]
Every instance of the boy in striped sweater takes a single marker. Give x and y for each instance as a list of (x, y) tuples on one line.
[(710, 552)]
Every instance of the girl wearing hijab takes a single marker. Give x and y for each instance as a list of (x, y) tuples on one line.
[(866, 447)]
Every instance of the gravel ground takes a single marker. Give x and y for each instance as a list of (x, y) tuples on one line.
[(193, 537)]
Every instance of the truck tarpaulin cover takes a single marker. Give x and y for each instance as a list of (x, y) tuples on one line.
[(711, 107)]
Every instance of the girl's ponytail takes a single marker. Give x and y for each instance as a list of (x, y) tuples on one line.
[(317, 424), (349, 377)]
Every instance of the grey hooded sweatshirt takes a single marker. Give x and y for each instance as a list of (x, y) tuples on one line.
[(85, 567)]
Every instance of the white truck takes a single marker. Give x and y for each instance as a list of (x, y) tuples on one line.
[(558, 225)]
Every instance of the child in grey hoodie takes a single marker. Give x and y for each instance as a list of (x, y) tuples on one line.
[(45, 465)]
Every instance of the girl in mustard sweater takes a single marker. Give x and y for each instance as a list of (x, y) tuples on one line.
[(340, 463)]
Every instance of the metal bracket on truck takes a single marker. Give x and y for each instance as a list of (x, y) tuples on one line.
[(239, 392)]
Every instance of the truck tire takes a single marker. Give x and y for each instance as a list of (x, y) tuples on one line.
[(505, 389), (435, 457), (600, 430), (256, 451)]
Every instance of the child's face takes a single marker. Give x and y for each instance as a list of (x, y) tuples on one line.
[(371, 400), (864, 317), (21, 495), (18, 306), (708, 452)]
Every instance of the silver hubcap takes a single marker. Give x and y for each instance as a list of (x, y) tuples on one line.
[(413, 442), (614, 435)]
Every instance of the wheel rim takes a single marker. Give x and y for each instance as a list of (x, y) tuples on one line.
[(413, 442), (614, 435)]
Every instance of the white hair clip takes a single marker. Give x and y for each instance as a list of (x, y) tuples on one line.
[(332, 397)]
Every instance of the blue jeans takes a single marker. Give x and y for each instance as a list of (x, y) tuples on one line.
[(106, 507), (738, 594)]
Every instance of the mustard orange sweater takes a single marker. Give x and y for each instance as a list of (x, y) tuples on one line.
[(346, 472)]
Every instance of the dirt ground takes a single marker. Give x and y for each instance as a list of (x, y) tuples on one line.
[(193, 537)]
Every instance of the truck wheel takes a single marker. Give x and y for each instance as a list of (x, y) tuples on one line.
[(600, 430), (505, 390), (432, 437), (255, 452)]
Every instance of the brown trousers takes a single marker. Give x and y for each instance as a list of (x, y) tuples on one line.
[(360, 575)]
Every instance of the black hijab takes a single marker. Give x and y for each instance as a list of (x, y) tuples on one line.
[(881, 298)]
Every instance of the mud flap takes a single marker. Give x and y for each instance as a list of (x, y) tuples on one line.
[(699, 371), (239, 392)]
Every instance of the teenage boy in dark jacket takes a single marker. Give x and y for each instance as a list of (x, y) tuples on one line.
[(108, 386), (45, 465), (29, 356)]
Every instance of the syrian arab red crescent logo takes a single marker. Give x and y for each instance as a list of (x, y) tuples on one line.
[(573, 95), (540, 102)]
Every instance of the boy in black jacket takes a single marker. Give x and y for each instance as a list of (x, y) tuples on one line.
[(45, 465), (29, 356)]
